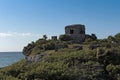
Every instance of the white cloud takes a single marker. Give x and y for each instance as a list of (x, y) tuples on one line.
[(21, 34), (5, 35), (15, 34), (26, 34)]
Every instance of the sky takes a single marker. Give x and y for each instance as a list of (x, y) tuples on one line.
[(23, 21)]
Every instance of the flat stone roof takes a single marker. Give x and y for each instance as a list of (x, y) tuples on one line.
[(75, 26)]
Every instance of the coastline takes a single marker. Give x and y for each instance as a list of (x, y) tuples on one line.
[(9, 58)]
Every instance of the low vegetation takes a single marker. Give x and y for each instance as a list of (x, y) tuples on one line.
[(95, 59)]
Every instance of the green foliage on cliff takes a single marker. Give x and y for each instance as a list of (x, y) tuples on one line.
[(97, 60)]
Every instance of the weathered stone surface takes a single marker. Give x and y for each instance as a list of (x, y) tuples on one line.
[(35, 58), (76, 32), (75, 29), (54, 37)]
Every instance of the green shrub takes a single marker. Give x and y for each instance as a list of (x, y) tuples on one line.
[(114, 71), (65, 38)]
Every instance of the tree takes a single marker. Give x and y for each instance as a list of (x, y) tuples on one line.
[(45, 37), (111, 39), (93, 36), (117, 37)]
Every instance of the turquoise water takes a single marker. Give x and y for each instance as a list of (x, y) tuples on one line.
[(8, 58)]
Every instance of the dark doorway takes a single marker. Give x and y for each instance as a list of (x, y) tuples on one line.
[(71, 31)]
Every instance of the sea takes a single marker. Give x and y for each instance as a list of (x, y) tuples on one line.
[(8, 58)]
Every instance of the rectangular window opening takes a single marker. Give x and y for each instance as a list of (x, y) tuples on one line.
[(71, 31)]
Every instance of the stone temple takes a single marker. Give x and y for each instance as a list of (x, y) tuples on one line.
[(76, 32)]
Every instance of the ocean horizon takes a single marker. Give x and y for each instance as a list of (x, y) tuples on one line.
[(8, 58)]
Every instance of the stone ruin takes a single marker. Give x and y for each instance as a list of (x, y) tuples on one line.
[(54, 37), (76, 32)]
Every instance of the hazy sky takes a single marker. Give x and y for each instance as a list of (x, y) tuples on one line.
[(23, 21)]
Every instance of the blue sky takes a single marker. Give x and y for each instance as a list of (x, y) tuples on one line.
[(23, 21)]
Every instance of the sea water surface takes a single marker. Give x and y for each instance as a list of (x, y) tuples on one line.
[(8, 58)]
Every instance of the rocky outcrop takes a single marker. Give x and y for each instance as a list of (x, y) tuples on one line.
[(36, 58), (28, 49)]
